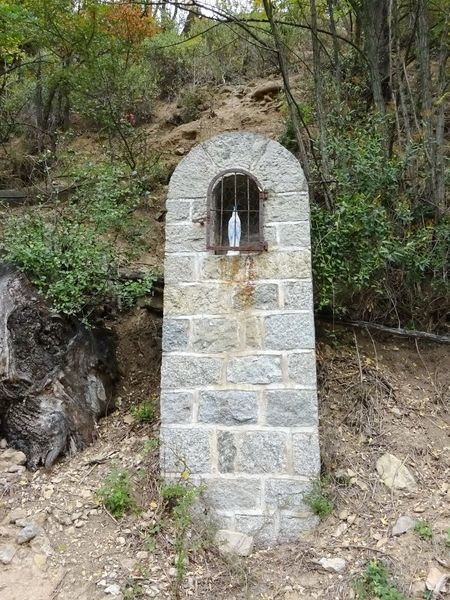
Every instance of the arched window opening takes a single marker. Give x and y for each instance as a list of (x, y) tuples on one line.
[(235, 213)]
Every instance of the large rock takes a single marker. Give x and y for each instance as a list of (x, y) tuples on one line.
[(436, 580), (56, 376), (394, 474), (403, 524), (234, 542), (334, 565)]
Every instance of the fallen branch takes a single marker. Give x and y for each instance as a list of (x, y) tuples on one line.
[(424, 335)]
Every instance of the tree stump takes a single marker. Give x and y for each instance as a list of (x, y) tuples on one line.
[(56, 376)]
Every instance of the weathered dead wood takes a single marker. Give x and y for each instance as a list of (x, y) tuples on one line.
[(270, 88), (56, 376), (424, 335)]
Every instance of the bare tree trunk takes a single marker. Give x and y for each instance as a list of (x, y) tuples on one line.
[(423, 56), (398, 69), (320, 107), (336, 59), (39, 105), (393, 72), (425, 102), (292, 105), (439, 142), (375, 16)]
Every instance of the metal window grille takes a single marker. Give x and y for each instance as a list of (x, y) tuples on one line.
[(235, 192)]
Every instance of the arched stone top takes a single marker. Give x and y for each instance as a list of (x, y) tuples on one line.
[(274, 166)]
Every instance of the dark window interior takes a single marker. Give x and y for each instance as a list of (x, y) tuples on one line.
[(235, 190)]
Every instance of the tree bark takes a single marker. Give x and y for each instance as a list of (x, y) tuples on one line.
[(336, 59), (320, 105), (442, 106), (56, 377), (375, 18)]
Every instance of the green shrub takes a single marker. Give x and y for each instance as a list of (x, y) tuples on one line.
[(348, 248), (116, 493), (179, 499), (319, 499), (150, 445), (423, 530), (375, 584), (377, 252), (144, 412), (70, 253), (130, 291), (66, 260)]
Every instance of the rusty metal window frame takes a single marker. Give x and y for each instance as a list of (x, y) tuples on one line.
[(211, 223)]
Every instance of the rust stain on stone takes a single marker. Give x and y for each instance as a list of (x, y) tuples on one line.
[(238, 272)]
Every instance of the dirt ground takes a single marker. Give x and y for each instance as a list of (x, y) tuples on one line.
[(377, 395)]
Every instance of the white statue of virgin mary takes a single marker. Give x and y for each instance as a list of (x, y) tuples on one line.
[(234, 232)]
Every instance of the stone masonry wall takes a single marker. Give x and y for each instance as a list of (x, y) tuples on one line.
[(238, 383)]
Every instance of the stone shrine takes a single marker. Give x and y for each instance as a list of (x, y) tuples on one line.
[(238, 382)]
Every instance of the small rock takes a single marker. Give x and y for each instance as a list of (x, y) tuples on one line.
[(40, 518), (180, 151), (336, 565), (16, 469), (47, 492), (13, 457), (340, 529), (3, 444), (417, 589), (121, 541), (29, 532), (128, 563), (403, 524), (234, 542), (41, 545), (17, 514), (113, 589), (394, 474), (142, 555), (7, 532), (7, 553), (62, 518), (172, 572), (129, 419), (436, 580)]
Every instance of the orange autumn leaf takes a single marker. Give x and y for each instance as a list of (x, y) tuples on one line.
[(126, 22)]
